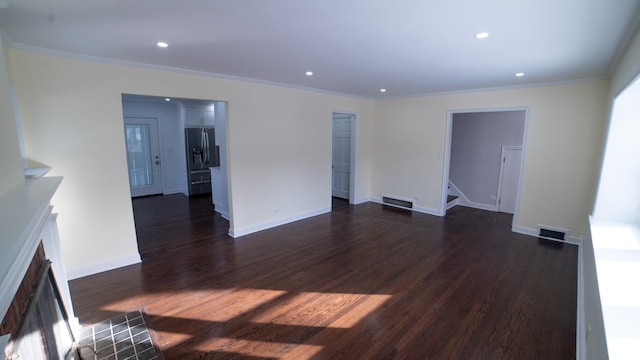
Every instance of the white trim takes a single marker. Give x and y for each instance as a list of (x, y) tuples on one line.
[(446, 165), (378, 97), (172, 191), (580, 316), (236, 233), (117, 62), (497, 88), (105, 266), (363, 200), (479, 206), (428, 211), (532, 232), (28, 204), (420, 209), (224, 214)]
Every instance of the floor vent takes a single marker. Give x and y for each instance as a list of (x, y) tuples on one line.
[(397, 202), (552, 234)]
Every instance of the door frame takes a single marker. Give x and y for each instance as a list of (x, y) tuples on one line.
[(502, 164), (447, 155), (352, 154), (159, 133)]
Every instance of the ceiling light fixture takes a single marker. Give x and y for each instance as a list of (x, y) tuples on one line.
[(482, 35), (309, 73), (162, 44), (383, 90), (520, 74), (167, 99)]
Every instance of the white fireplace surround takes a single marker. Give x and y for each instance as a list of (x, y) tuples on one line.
[(26, 220)]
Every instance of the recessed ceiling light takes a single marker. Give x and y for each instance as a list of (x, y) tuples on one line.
[(383, 90), (520, 74), (309, 73), (162, 44), (482, 35), (167, 99)]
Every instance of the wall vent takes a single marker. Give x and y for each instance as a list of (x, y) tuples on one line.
[(552, 234), (387, 200)]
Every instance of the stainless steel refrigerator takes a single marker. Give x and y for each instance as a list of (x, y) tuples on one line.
[(202, 153)]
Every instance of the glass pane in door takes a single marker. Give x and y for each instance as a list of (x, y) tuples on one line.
[(139, 155)]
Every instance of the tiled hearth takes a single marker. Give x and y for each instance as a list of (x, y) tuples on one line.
[(122, 337)]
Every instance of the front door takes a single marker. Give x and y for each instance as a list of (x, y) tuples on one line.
[(143, 156), (341, 154)]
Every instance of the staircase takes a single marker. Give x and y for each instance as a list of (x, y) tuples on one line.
[(452, 201)]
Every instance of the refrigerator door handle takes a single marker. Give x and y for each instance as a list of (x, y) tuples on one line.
[(205, 146)]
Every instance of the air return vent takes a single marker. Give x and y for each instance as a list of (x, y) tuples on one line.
[(406, 204), (553, 234)]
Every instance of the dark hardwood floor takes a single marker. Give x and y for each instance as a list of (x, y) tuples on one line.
[(362, 282)]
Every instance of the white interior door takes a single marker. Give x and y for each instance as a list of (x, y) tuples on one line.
[(341, 156), (143, 156), (509, 179)]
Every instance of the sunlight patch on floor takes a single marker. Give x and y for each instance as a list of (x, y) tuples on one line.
[(232, 302), (257, 349), (323, 310)]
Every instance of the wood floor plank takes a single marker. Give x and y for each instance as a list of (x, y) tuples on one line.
[(361, 282)]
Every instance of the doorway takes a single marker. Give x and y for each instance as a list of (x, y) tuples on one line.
[(483, 161), (343, 129), (143, 156)]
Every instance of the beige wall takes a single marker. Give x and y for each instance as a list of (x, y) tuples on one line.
[(279, 148), (561, 159), (11, 169)]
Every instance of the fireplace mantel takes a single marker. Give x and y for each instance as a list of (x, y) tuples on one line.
[(24, 213)]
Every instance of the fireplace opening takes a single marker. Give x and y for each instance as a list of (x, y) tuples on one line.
[(44, 331)]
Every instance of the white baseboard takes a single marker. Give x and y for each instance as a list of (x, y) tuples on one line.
[(533, 232), (580, 317), (363, 200), (224, 214), (236, 233), (478, 205), (419, 209), (105, 266), (172, 191), (428, 211)]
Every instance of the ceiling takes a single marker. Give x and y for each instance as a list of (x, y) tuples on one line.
[(354, 47)]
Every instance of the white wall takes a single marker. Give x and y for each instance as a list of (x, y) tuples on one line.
[(564, 136), (278, 156), (628, 68), (476, 148), (171, 131), (594, 346), (11, 168), (618, 196)]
